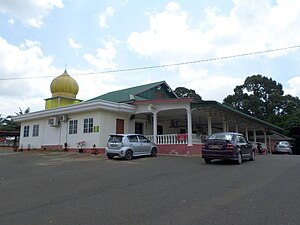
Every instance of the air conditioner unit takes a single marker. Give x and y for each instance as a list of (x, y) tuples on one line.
[(53, 121), (63, 118)]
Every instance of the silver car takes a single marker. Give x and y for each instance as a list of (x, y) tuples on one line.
[(129, 145), (283, 147)]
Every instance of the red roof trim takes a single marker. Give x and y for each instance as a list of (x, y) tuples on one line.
[(179, 100)]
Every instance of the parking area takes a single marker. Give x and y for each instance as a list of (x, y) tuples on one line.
[(72, 188)]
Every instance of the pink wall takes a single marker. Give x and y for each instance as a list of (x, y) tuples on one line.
[(180, 149), (174, 149)]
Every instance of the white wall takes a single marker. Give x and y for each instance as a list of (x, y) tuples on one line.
[(32, 142), (48, 135), (104, 119)]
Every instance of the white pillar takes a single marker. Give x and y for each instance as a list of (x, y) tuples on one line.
[(155, 127), (224, 125), (247, 133), (270, 144), (236, 127), (265, 138), (209, 128), (189, 126), (254, 136)]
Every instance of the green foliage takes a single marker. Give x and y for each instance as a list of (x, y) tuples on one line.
[(8, 124), (183, 92), (262, 97)]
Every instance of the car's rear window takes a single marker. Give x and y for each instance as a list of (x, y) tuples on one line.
[(115, 138), (224, 137), (283, 143)]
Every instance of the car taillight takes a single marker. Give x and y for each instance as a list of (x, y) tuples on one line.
[(229, 146)]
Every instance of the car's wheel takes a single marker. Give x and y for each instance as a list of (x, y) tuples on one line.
[(206, 160), (110, 156), (252, 158), (240, 159), (153, 152), (128, 155)]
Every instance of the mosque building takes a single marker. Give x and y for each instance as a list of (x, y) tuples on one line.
[(176, 125)]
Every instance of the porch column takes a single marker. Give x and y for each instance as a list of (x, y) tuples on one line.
[(265, 138), (209, 128), (254, 136), (224, 125), (247, 133), (189, 121), (270, 144), (236, 127), (155, 127)]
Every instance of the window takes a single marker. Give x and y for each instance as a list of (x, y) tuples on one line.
[(88, 125), (26, 131), (73, 126), (133, 138), (241, 139), (115, 138), (35, 132), (224, 137), (143, 139)]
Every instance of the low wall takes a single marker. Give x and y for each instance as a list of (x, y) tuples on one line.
[(172, 149), (6, 147), (180, 149), (87, 150)]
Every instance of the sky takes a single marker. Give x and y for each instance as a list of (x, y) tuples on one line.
[(95, 39)]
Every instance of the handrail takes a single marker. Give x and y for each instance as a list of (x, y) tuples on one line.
[(172, 139)]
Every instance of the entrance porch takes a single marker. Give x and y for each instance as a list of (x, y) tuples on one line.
[(181, 126)]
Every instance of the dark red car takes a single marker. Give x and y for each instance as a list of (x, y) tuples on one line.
[(227, 145)]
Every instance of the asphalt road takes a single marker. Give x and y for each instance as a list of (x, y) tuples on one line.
[(71, 189)]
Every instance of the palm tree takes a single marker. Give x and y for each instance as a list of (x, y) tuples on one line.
[(21, 111)]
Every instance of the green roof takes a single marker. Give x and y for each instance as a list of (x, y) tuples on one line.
[(134, 93), (216, 104)]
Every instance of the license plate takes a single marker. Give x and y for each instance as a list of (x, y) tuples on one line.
[(215, 146)]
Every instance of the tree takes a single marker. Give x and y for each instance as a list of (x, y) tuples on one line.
[(21, 111), (3, 121), (183, 92), (261, 97), (8, 124)]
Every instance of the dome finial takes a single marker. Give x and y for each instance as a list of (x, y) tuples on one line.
[(65, 69)]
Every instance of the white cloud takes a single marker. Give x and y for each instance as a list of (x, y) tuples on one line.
[(124, 2), (73, 44), (293, 86), (252, 25), (30, 12), (102, 21), (104, 56), (208, 86), (109, 12), (11, 21), (25, 60)]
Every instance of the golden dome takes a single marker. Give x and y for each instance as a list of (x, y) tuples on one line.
[(64, 86)]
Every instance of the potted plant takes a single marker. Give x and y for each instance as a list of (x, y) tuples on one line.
[(80, 145)]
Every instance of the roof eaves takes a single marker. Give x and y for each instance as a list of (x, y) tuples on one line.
[(219, 105)]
